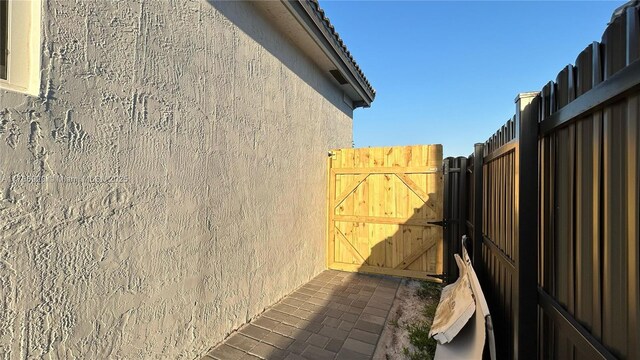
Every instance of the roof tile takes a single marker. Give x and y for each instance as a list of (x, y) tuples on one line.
[(336, 37)]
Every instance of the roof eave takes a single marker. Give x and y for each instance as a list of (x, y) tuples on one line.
[(303, 12)]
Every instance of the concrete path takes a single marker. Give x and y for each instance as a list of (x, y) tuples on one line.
[(336, 315)]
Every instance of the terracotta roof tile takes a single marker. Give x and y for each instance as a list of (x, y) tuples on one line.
[(336, 37)]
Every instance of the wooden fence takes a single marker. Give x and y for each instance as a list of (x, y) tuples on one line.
[(553, 209), (384, 206)]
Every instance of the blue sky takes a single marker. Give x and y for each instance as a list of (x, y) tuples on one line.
[(448, 72)]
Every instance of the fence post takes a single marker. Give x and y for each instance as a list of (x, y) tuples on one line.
[(463, 190), (478, 169), (525, 321), (446, 209)]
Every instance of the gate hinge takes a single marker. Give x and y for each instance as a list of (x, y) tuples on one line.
[(442, 223)]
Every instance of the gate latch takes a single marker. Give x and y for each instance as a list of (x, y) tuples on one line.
[(442, 223)]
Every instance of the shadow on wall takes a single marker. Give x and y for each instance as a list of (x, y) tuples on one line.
[(253, 23), (337, 315)]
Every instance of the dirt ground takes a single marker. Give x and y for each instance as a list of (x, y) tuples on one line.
[(408, 308)]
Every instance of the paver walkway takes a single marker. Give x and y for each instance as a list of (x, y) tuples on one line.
[(336, 315)]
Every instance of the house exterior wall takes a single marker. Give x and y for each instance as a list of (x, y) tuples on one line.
[(167, 185)]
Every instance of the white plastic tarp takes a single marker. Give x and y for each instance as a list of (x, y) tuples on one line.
[(464, 333)]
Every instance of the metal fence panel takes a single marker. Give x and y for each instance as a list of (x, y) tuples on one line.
[(557, 204)]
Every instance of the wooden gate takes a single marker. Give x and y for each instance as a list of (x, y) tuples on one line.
[(382, 203)]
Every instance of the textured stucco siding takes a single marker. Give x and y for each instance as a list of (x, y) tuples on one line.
[(210, 139)]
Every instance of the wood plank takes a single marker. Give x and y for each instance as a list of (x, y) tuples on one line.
[(389, 185), (401, 190), (332, 192), (398, 246), (338, 180), (347, 160), (418, 158), (375, 184), (362, 240), (386, 170), (342, 253), (337, 161), (383, 220), (407, 241), (435, 187), (347, 244), (416, 254), (348, 204), (425, 183), (416, 241), (330, 210), (376, 197), (410, 208), (361, 159), (392, 236), (377, 245)]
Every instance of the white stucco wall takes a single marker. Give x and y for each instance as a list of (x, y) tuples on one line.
[(217, 136)]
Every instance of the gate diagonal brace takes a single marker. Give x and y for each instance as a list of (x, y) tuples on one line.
[(415, 255), (416, 189), (350, 247), (349, 189)]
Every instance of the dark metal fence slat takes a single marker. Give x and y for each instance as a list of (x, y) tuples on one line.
[(551, 202)]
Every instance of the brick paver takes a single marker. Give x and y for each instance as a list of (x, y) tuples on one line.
[(336, 315)]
